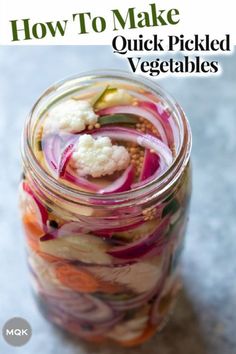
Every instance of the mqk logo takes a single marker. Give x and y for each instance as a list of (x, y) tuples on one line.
[(17, 331)]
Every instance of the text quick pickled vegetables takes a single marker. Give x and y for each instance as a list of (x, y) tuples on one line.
[(104, 201)]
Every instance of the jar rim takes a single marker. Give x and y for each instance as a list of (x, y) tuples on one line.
[(155, 188)]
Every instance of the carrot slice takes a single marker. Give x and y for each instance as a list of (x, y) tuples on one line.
[(147, 333), (81, 280), (76, 279), (32, 225), (33, 230), (110, 288)]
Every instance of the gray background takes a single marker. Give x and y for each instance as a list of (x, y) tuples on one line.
[(205, 319)]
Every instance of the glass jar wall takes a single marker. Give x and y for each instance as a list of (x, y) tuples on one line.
[(104, 232)]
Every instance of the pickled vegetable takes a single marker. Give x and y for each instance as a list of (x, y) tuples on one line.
[(100, 271)]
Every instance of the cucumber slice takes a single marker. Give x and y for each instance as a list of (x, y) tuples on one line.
[(118, 119), (171, 208), (113, 96), (99, 96), (102, 94), (83, 248)]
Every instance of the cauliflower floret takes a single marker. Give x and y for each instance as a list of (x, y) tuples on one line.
[(70, 116), (98, 157)]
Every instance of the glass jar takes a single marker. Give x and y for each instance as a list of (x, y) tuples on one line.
[(104, 267)]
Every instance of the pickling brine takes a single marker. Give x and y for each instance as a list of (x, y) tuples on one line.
[(104, 201)]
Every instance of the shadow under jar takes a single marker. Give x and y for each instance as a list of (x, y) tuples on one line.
[(104, 201)]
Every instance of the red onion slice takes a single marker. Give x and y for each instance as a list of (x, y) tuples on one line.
[(48, 236), (138, 111), (82, 310), (150, 169), (121, 184), (68, 175), (136, 250), (150, 165), (162, 115), (65, 158), (51, 145), (109, 232), (80, 181), (84, 307), (84, 328)]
